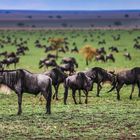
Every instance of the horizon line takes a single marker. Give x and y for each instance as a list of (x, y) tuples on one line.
[(69, 10)]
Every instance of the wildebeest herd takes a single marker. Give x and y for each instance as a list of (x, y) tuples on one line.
[(21, 80)]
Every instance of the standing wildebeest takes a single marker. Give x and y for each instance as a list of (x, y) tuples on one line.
[(78, 82), (100, 58), (57, 77), (67, 60), (127, 55), (99, 76), (128, 77), (22, 81), (48, 63), (110, 57)]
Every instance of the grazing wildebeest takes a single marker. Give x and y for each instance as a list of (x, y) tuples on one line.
[(58, 77), (110, 57), (51, 56), (78, 82), (22, 81), (10, 60), (102, 42), (75, 49), (100, 58), (3, 53), (100, 76), (128, 77), (114, 49), (127, 56), (48, 63), (67, 60), (136, 46)]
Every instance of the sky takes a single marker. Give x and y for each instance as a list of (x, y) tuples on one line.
[(70, 4)]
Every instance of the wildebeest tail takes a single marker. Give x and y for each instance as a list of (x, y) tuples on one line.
[(49, 97), (66, 91), (114, 86)]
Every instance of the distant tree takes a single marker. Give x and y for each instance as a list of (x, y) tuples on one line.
[(58, 16), (33, 26), (117, 23), (20, 24), (92, 25), (30, 17), (64, 24), (88, 52), (50, 16), (126, 16), (56, 43)]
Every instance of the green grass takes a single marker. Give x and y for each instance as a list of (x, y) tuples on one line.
[(102, 118)]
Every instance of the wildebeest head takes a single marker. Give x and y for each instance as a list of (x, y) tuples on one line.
[(86, 81)]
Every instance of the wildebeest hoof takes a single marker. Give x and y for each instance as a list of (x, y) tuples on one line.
[(130, 97), (53, 96), (80, 102), (48, 113), (19, 113), (98, 95), (57, 99)]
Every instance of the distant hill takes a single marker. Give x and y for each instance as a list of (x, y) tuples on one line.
[(69, 19)]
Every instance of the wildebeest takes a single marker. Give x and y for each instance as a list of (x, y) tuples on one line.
[(51, 56), (110, 57), (100, 58), (114, 49), (136, 46), (78, 82), (67, 60), (68, 67), (48, 63), (128, 77), (57, 77), (127, 56), (75, 49), (100, 76), (102, 42), (101, 50), (22, 81), (10, 60)]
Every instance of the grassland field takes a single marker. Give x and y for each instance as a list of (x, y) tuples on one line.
[(102, 118)]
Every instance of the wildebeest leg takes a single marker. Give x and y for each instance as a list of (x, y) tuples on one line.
[(56, 92), (99, 87), (139, 89), (73, 95), (86, 93), (19, 103), (15, 65), (80, 102), (65, 95), (133, 86), (47, 96), (118, 88)]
